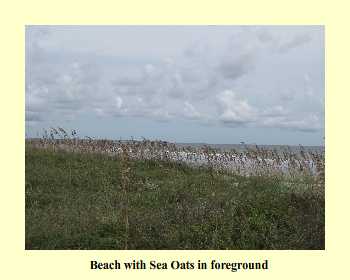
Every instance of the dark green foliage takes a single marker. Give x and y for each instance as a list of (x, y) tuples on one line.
[(75, 201)]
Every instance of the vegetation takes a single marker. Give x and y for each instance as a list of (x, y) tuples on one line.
[(78, 198)]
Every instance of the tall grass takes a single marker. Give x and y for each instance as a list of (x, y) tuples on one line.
[(256, 161), (126, 185), (83, 193)]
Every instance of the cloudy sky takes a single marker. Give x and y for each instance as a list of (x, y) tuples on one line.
[(213, 84)]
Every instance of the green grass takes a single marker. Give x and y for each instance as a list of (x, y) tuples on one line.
[(75, 201)]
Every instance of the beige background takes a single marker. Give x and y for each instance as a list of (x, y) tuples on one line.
[(16, 263)]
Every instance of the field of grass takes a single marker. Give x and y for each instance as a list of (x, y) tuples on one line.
[(95, 201)]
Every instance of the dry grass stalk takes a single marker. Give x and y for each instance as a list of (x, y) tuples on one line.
[(125, 185), (249, 161)]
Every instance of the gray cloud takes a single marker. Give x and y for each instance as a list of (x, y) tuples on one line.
[(56, 89), (233, 67), (298, 40), (204, 83)]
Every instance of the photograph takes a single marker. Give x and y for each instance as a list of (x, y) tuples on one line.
[(174, 137)]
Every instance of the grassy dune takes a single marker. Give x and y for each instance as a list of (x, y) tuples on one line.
[(92, 201)]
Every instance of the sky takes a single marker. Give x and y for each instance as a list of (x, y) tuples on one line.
[(207, 84)]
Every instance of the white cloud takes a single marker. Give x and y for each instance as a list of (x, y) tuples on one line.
[(275, 111), (56, 89), (233, 110), (190, 111), (309, 123), (205, 83)]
